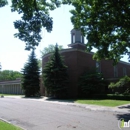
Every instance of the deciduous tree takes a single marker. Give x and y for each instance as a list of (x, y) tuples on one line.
[(105, 23), (9, 75), (34, 16), (49, 49), (3, 3)]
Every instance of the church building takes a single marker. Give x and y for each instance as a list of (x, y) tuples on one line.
[(79, 61)]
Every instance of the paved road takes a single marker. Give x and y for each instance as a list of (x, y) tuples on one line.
[(40, 115)]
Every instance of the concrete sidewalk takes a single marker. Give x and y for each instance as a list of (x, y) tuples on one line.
[(123, 108)]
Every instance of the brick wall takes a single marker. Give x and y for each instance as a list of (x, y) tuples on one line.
[(79, 61)]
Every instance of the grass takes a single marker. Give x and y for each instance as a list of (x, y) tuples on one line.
[(103, 102), (10, 95), (7, 126)]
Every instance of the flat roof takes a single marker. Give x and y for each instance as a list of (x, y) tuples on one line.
[(74, 49)]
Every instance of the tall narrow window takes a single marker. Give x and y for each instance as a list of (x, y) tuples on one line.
[(98, 66), (124, 71), (73, 38), (115, 71), (81, 39)]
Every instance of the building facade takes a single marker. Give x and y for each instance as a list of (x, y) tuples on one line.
[(11, 87), (79, 61)]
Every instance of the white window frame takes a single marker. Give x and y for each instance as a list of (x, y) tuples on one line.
[(81, 38), (73, 37)]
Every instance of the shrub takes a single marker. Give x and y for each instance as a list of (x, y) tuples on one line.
[(91, 83), (122, 86)]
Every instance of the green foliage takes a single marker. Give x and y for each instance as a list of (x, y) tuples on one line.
[(112, 85), (91, 83), (106, 24), (3, 3), (122, 86), (31, 78), (55, 75), (49, 49), (35, 15), (9, 75)]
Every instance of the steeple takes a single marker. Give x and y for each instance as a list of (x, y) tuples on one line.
[(76, 36), (77, 39)]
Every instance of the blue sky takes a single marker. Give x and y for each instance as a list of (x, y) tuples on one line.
[(12, 53)]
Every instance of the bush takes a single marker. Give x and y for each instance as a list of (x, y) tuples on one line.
[(122, 86), (91, 83)]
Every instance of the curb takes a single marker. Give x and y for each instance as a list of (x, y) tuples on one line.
[(12, 124), (86, 106), (91, 107)]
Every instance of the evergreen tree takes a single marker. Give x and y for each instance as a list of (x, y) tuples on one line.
[(31, 81), (55, 75)]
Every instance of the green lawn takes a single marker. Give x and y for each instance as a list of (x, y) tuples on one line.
[(7, 126), (104, 102), (10, 95)]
